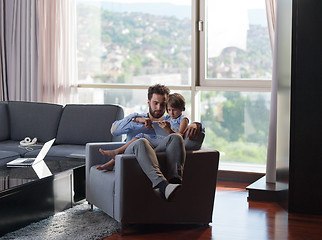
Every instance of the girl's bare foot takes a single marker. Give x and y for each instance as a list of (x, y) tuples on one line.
[(109, 153), (107, 166)]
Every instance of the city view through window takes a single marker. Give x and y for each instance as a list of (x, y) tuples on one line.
[(134, 43), (148, 42), (238, 44)]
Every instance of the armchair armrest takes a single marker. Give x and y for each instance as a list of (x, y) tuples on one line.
[(94, 157)]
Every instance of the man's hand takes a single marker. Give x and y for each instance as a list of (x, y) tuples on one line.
[(192, 130), (147, 122)]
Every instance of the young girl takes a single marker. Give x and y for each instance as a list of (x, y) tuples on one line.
[(175, 122)]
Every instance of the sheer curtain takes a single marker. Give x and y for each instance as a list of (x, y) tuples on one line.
[(57, 73), (271, 148), (40, 47)]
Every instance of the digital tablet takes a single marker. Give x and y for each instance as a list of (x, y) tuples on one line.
[(159, 130)]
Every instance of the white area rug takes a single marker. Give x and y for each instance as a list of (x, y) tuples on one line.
[(78, 222)]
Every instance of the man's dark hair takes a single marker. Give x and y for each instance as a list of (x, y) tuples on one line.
[(158, 89)]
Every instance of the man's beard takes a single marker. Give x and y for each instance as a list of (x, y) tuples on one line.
[(155, 114)]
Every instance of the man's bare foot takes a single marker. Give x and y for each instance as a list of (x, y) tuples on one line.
[(107, 166), (109, 153)]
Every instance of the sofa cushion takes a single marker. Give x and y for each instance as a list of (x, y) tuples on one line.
[(31, 119), (81, 124), (6, 156), (62, 151), (4, 121), (14, 146)]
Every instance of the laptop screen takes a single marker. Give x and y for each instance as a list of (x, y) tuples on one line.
[(44, 150), (41, 169)]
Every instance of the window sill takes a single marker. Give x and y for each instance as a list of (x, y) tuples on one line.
[(242, 167)]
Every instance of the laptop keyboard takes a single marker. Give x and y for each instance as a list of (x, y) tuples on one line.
[(29, 160)]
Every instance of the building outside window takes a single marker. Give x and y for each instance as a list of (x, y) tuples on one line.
[(217, 54)]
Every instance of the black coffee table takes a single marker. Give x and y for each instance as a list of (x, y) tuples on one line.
[(24, 198)]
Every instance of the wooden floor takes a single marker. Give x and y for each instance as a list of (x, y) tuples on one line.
[(234, 218)]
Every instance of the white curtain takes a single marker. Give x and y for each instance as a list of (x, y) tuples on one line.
[(56, 37), (40, 44), (271, 148)]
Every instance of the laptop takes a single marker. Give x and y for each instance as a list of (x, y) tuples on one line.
[(28, 162), (41, 169)]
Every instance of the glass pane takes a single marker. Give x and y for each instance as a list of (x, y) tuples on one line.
[(132, 100), (238, 44), (236, 124), (134, 42)]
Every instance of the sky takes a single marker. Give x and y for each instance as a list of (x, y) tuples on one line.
[(233, 23)]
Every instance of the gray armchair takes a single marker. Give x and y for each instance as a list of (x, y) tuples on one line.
[(126, 193)]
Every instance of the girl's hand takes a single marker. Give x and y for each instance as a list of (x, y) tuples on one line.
[(165, 125)]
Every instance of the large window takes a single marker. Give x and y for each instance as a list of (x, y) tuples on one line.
[(235, 46), (134, 42), (215, 52), (236, 64), (237, 125)]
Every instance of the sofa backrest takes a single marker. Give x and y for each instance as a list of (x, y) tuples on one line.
[(4, 121), (81, 124), (31, 119)]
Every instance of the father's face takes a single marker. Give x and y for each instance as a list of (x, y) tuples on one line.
[(157, 105)]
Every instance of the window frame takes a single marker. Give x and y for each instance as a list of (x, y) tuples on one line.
[(222, 84), (199, 82)]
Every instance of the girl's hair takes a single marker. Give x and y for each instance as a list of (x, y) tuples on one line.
[(176, 100)]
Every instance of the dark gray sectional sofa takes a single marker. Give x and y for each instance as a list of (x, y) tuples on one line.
[(73, 125)]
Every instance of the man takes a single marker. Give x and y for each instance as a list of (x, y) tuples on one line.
[(194, 134), (173, 145)]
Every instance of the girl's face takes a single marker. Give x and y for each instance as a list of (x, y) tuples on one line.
[(174, 112)]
